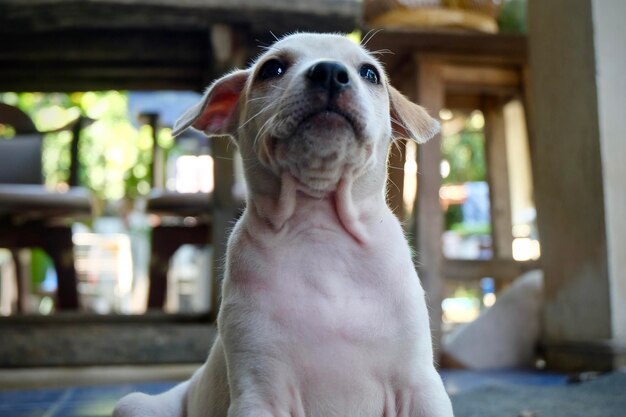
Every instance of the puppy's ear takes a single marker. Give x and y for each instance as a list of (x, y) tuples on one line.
[(217, 113), (409, 120)]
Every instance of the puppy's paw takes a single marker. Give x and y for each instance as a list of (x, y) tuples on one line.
[(248, 409), (138, 404)]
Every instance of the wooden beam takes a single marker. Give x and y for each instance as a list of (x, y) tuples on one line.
[(464, 47), (65, 377), (104, 46), (501, 270), (481, 78), (284, 15), (73, 60), (70, 45), (90, 78), (463, 102), (80, 339)]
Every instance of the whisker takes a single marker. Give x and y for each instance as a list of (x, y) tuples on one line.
[(398, 121), (397, 146), (364, 42), (268, 47), (224, 158), (383, 52), (262, 129), (389, 180), (256, 98), (364, 39), (264, 109), (261, 44)]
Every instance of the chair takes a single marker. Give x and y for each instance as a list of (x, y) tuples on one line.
[(184, 218), (32, 216)]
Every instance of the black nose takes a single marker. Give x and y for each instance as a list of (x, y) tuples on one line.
[(331, 76)]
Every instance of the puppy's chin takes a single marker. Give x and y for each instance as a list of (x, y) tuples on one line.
[(317, 183), (319, 151)]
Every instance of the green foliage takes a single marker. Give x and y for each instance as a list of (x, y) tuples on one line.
[(115, 157), (463, 291), (453, 216), (40, 262), (513, 17), (474, 229), (465, 152)]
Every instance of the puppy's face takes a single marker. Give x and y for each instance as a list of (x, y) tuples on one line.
[(318, 110), (315, 106)]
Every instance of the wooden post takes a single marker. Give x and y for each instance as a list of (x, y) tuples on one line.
[(224, 213), (152, 120), (395, 178), (23, 289), (74, 161), (498, 178), (404, 79), (429, 217)]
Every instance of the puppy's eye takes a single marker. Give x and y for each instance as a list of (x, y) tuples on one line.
[(370, 73), (272, 69)]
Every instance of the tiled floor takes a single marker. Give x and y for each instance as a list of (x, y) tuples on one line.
[(458, 381), (71, 402), (98, 401)]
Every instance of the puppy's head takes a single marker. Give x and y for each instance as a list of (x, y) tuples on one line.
[(315, 106)]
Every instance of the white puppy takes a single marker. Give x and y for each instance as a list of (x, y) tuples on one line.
[(322, 313)]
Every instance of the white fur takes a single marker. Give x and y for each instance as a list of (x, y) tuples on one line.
[(323, 314)]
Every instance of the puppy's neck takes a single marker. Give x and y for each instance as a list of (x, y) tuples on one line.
[(277, 211)]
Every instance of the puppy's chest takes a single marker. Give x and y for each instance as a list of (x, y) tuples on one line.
[(320, 288)]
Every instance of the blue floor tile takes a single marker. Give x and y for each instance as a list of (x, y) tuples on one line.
[(72, 402), (23, 410), (458, 381), (99, 401), (32, 396)]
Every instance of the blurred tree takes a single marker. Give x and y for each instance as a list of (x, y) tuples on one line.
[(465, 152), (114, 155)]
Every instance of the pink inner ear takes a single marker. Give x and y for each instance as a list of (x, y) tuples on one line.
[(216, 115)]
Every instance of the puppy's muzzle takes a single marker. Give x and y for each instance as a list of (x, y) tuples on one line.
[(320, 129), (329, 76)]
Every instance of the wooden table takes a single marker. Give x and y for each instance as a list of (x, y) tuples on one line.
[(463, 71)]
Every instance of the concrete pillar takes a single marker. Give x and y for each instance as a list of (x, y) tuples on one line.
[(578, 151), (610, 47)]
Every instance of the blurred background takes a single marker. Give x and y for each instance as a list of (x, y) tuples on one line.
[(112, 231)]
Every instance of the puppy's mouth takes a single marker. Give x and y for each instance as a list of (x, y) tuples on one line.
[(330, 118), (321, 120)]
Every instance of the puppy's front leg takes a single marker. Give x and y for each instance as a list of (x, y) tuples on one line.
[(259, 379), (259, 387)]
